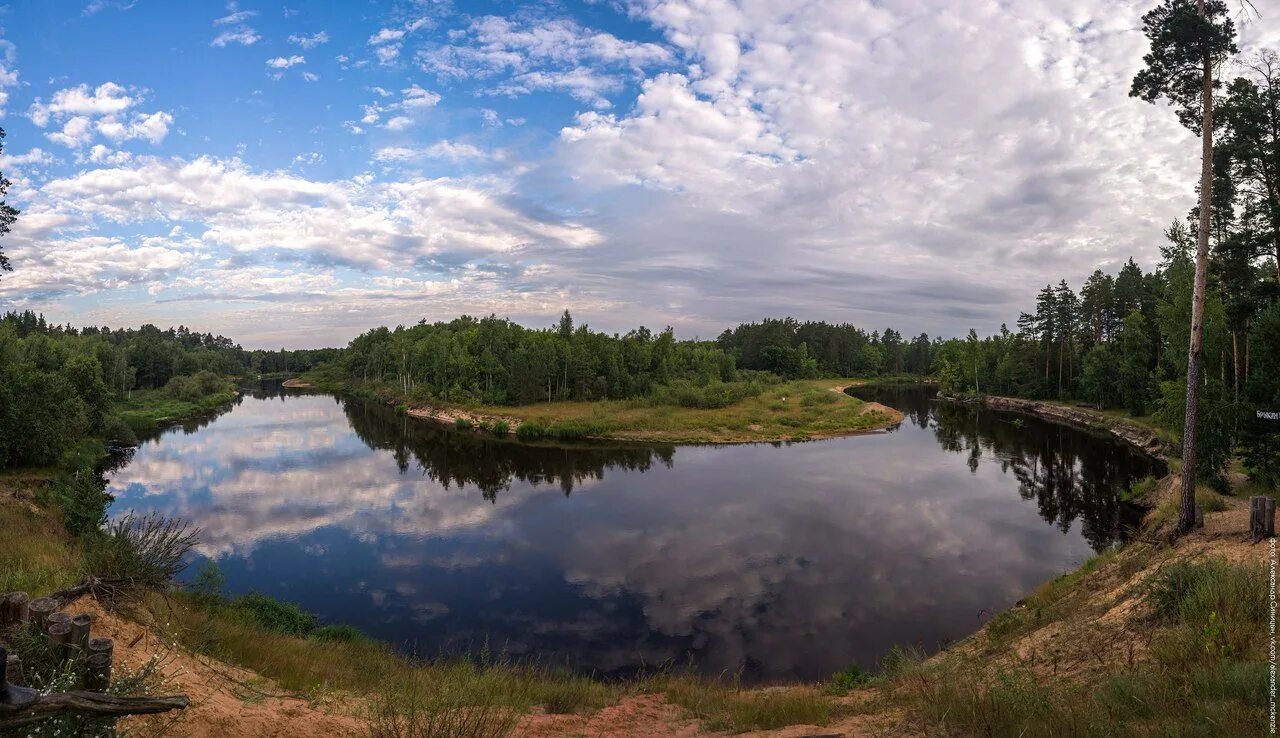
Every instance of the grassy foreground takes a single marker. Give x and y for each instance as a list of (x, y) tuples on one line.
[(797, 410)]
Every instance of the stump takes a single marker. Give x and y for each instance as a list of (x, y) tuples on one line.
[(39, 611), (101, 645), (60, 639), (1262, 518), (80, 634), (97, 672), (17, 608)]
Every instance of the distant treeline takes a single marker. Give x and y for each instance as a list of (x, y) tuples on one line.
[(59, 384), (493, 360)]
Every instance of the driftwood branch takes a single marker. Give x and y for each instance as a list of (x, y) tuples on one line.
[(30, 706)]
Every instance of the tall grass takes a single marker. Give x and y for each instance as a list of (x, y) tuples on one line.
[(1207, 674)]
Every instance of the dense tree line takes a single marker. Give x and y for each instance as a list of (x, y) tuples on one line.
[(494, 360), (789, 348), (59, 383)]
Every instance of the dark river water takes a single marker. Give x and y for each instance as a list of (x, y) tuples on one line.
[(770, 561)]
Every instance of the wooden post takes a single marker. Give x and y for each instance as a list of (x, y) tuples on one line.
[(101, 645), (60, 639), (40, 610), (13, 665), (97, 672), (19, 607), (1262, 517), (80, 634)]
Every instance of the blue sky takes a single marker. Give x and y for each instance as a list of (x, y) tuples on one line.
[(294, 173)]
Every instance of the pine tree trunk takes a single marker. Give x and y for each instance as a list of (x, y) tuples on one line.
[(1235, 363), (1187, 513)]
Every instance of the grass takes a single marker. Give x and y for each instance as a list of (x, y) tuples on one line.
[(720, 707), (796, 410), (1206, 673)]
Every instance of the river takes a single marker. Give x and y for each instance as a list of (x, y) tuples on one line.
[(769, 561)]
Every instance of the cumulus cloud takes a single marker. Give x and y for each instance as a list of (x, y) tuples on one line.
[(880, 161), (233, 218), (83, 113)]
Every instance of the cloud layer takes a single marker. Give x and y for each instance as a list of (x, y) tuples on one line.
[(914, 163)]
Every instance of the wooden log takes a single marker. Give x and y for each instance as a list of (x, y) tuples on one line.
[(39, 707), (40, 610), (4, 609), (80, 634), (60, 639), (97, 672), (19, 607)]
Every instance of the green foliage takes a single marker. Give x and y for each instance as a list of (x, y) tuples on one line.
[(274, 615), (844, 682), (82, 497), (1216, 422), (139, 553), (1139, 490), (462, 424), (500, 428), (338, 634), (208, 585), (1181, 42)]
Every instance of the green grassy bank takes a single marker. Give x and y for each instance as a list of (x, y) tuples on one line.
[(731, 412)]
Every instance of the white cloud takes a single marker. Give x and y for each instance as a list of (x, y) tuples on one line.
[(309, 42), (451, 150), (281, 62), (237, 30), (103, 110), (529, 54), (106, 99)]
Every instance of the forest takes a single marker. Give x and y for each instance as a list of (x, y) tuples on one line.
[(59, 383)]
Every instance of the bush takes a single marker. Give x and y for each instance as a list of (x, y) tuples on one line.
[(843, 682), (274, 615), (531, 431), (500, 428), (196, 387), (116, 430), (83, 499), (140, 553), (818, 397), (338, 634), (685, 393), (462, 424)]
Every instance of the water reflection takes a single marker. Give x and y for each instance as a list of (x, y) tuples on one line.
[(778, 562)]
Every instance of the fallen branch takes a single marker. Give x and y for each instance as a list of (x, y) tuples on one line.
[(21, 706)]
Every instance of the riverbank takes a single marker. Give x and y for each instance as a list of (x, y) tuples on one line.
[(1148, 639), (1144, 639), (799, 410), (1146, 438), (185, 398)]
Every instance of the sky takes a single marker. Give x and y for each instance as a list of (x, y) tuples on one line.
[(292, 174)]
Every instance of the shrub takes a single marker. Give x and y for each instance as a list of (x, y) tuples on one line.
[(1139, 490), (274, 615), (500, 428), (116, 430), (531, 431), (139, 553), (83, 499), (338, 634), (207, 585), (843, 682), (815, 397), (462, 424)]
